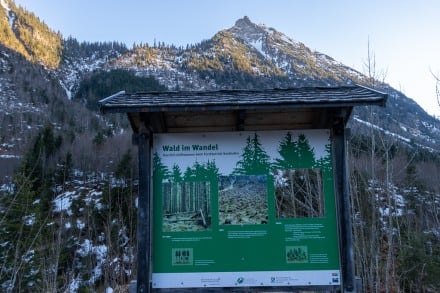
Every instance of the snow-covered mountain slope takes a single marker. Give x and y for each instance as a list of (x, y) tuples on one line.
[(248, 55), (80, 59)]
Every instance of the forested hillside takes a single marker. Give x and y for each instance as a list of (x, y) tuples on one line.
[(23, 32), (68, 176)]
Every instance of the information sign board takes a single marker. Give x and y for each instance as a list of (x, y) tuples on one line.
[(249, 208)]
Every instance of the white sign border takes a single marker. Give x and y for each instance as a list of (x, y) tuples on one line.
[(247, 279)]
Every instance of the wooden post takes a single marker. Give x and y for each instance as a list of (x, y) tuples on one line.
[(343, 202), (144, 216)]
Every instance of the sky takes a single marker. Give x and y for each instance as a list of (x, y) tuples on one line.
[(403, 36)]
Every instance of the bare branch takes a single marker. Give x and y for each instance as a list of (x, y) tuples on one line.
[(374, 77), (437, 86)]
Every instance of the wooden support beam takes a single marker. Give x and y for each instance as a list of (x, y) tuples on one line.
[(144, 216), (241, 117), (344, 206)]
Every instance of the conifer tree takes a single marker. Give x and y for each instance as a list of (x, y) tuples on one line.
[(199, 172), (160, 171), (306, 153), (254, 158), (124, 168), (189, 174), (176, 173), (325, 162), (19, 218), (288, 151), (64, 170), (25, 212), (244, 164), (212, 170)]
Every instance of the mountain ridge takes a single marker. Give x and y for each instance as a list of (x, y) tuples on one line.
[(68, 207), (254, 56), (244, 56)]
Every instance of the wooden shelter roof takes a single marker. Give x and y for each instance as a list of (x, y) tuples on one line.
[(229, 110)]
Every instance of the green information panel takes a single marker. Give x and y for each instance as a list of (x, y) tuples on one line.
[(236, 209)]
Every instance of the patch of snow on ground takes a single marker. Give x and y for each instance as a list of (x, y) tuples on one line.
[(7, 187), (258, 45), (11, 19), (74, 285), (10, 157), (80, 224), (94, 197), (407, 140), (5, 5), (404, 139), (289, 40), (68, 92), (86, 248), (11, 15), (63, 202), (100, 253), (29, 220)]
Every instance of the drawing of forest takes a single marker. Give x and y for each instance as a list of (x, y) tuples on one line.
[(298, 175), (242, 200), (296, 254)]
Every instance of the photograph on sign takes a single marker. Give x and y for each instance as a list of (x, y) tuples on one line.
[(299, 193), (186, 206), (250, 208), (242, 200)]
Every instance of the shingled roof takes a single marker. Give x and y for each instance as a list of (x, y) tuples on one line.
[(242, 99), (225, 110)]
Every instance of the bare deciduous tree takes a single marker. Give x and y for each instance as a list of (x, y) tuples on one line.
[(437, 87)]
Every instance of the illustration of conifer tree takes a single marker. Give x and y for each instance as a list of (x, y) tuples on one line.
[(176, 174), (199, 172), (244, 163), (189, 174), (196, 190), (254, 158), (288, 150), (306, 153), (188, 178), (160, 171), (176, 177), (325, 162), (212, 170)]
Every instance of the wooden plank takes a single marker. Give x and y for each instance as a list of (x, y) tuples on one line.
[(279, 118), (191, 119), (201, 129)]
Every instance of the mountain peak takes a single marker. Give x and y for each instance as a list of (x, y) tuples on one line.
[(246, 29), (244, 22)]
